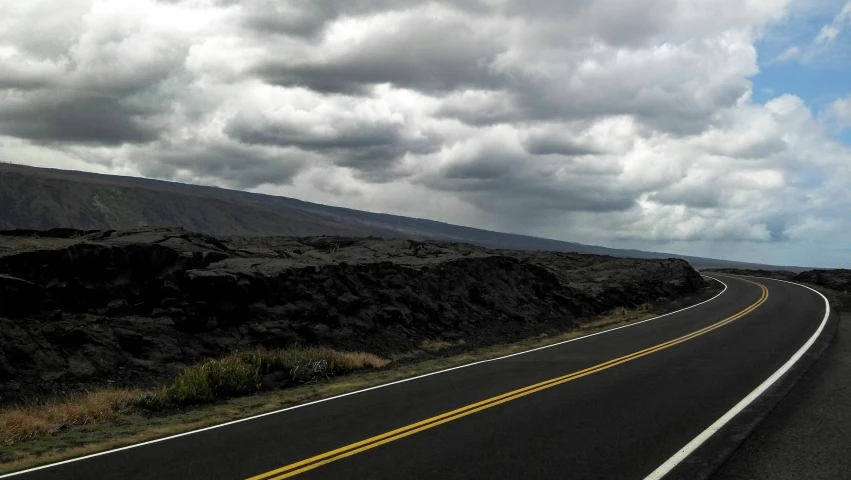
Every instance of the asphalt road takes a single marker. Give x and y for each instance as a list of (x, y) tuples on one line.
[(612, 406)]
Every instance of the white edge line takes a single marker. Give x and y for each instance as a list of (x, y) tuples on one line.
[(693, 445), (70, 460)]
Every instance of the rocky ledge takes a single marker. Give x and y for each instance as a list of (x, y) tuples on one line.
[(81, 309), (838, 279)]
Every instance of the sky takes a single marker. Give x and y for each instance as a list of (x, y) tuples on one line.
[(716, 128)]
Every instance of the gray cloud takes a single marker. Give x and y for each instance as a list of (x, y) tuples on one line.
[(751, 148), (553, 145), (83, 118), (284, 134), (532, 198), (309, 19), (113, 86), (371, 148), (499, 181), (234, 165), (703, 196), (433, 56), (20, 75)]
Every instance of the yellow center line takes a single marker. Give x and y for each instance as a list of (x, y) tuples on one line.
[(393, 435)]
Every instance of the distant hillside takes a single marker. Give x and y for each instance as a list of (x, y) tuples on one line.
[(39, 198)]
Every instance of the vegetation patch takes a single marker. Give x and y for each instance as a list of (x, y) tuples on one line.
[(439, 345), (840, 301), (243, 372), (23, 423), (237, 374)]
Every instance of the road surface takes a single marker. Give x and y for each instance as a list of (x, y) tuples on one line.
[(616, 405)]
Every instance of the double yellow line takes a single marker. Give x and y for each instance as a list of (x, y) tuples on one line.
[(297, 468)]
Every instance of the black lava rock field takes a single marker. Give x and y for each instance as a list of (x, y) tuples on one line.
[(81, 309)]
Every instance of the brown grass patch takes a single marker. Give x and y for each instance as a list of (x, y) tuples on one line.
[(439, 345), (317, 255), (236, 374), (23, 423), (27, 244)]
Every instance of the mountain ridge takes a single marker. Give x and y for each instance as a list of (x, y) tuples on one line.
[(42, 198)]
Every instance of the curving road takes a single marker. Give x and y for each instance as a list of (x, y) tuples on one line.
[(653, 399)]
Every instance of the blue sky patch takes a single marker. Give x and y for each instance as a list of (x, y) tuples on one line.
[(808, 55)]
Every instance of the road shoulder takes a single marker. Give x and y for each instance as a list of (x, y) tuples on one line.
[(808, 433)]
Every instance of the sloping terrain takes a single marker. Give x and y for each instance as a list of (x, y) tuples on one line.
[(755, 272), (130, 307), (838, 279), (35, 198), (38, 198)]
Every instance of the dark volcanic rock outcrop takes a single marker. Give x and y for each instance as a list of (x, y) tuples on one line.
[(778, 274), (128, 308), (838, 279)]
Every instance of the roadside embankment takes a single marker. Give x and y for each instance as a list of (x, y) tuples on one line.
[(131, 309)]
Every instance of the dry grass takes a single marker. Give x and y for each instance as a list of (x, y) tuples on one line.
[(234, 375), (317, 255), (27, 244), (75, 451), (440, 345), (336, 361), (23, 423), (619, 316), (840, 301)]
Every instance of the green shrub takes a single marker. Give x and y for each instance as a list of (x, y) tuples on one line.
[(239, 373), (213, 379)]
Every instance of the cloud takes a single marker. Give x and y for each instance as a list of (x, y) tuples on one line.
[(599, 121), (791, 53), (433, 48), (20, 74), (115, 83), (220, 163), (42, 28), (309, 19), (353, 132), (829, 32), (839, 111), (496, 70), (811, 34)]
